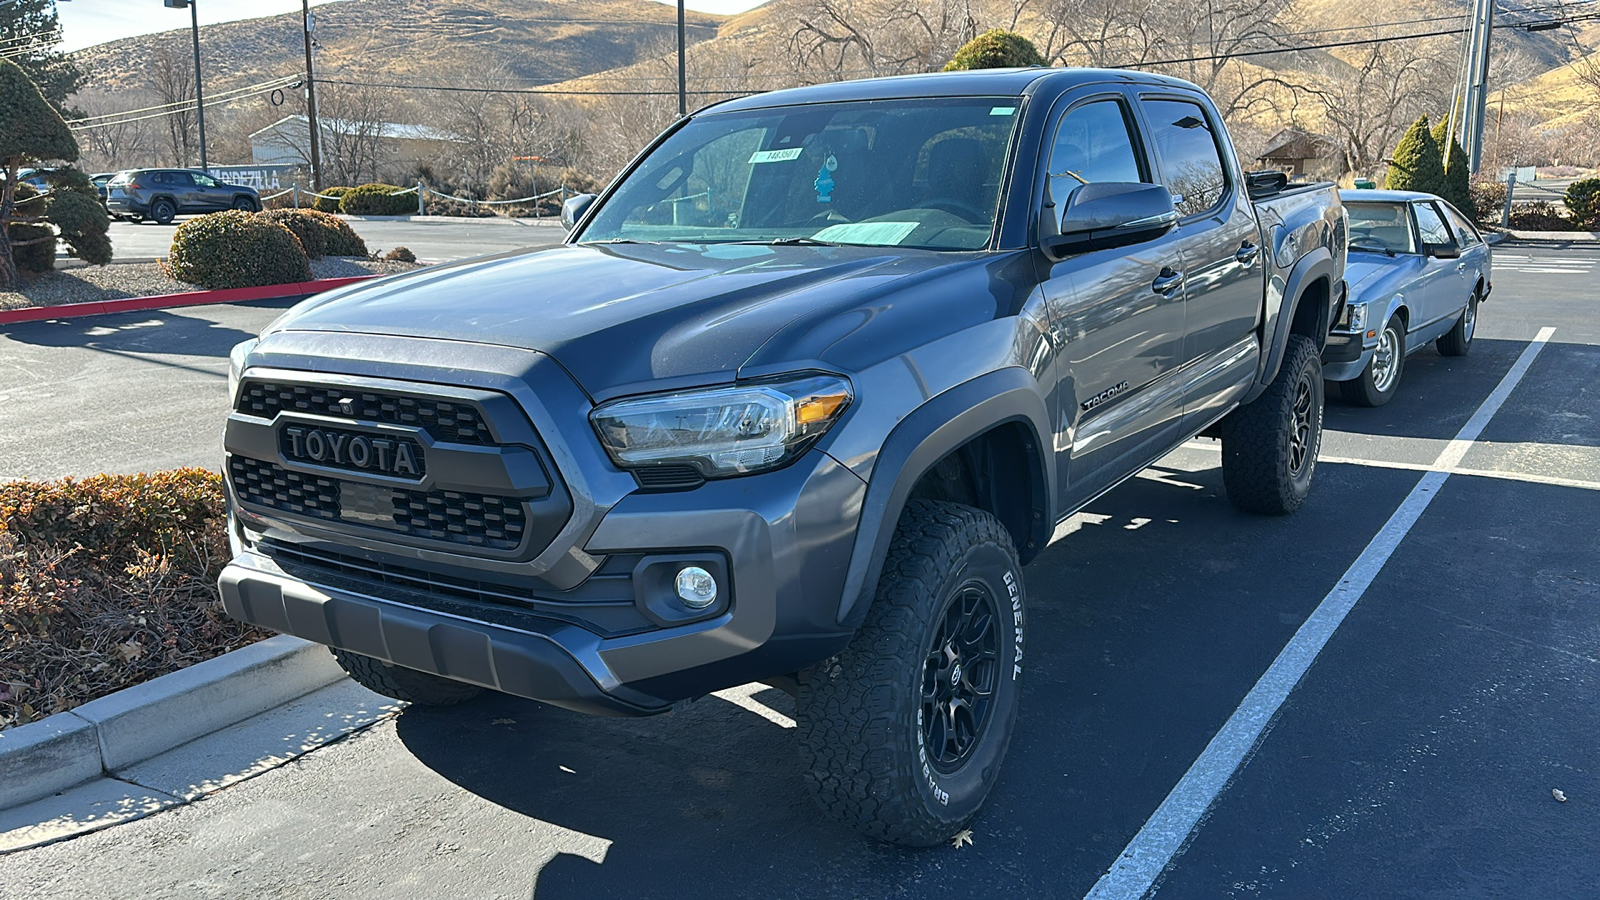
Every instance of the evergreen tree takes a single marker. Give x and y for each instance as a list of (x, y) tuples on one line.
[(995, 49), (1417, 165), (1457, 186), (30, 30), (32, 131)]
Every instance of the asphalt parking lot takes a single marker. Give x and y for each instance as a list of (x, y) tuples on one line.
[(431, 238), (1458, 527)]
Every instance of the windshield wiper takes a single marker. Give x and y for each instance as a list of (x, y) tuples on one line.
[(1371, 249), (794, 241), (619, 241)]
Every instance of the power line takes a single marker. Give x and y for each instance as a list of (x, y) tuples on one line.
[(188, 106), (275, 84)]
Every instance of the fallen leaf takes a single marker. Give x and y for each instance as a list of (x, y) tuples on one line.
[(1556, 793), (130, 651), (502, 721), (964, 836)]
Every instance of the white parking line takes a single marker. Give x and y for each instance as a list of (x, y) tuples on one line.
[(1169, 828)]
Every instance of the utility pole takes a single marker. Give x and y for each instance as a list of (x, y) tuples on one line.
[(199, 98), (1475, 109), (683, 72), (312, 126)]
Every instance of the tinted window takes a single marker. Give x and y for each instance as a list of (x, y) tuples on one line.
[(1094, 144), (1431, 226), (912, 173), (1466, 235), (182, 178), (1191, 164)]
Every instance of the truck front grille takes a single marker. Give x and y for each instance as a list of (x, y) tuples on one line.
[(446, 420), (456, 517)]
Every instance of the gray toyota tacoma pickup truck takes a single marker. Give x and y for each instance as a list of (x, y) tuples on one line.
[(800, 395)]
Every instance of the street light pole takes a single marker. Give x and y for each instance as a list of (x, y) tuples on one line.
[(199, 96)]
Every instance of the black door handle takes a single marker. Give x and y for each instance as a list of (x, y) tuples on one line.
[(1167, 282), (1247, 253)]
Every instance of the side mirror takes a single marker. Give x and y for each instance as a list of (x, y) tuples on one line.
[(1105, 215), (1444, 251), (574, 208)]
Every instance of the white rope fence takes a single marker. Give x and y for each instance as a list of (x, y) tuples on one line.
[(423, 192)]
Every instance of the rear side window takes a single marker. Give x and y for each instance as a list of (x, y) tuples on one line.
[(1431, 226), (1466, 235), (1191, 162), (1093, 144)]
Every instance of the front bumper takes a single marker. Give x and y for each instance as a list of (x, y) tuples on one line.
[(1345, 356)]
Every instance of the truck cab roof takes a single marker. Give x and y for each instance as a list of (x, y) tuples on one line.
[(1017, 82)]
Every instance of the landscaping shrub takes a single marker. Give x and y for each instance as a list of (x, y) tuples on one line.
[(106, 582), (1455, 182), (377, 200), (1489, 199), (1583, 202), (400, 254), (995, 49), (32, 258), (1539, 216), (324, 204), (237, 249), (320, 234), (1418, 164)]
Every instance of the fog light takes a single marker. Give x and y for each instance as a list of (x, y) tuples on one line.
[(696, 588)]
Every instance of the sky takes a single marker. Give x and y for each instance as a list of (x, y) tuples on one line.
[(88, 22)]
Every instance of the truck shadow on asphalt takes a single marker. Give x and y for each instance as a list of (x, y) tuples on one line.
[(1439, 394), (1146, 626)]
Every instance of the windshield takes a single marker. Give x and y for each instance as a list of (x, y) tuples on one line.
[(911, 173), (1380, 228)]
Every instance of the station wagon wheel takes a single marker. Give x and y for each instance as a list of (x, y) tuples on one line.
[(1459, 339), (1377, 383)]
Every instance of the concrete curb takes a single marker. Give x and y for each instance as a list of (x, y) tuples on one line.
[(168, 301), (137, 723), (1587, 237)]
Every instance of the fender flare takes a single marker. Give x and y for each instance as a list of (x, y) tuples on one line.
[(1318, 263), (934, 429)]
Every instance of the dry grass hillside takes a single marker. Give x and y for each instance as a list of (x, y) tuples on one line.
[(534, 41)]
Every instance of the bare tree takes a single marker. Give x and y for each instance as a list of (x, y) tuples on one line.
[(1367, 99), (114, 142), (356, 122), (833, 39), (172, 80)]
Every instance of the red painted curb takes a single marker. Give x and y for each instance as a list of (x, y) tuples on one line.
[(188, 298)]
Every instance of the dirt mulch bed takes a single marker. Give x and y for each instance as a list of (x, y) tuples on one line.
[(107, 582), (90, 284)]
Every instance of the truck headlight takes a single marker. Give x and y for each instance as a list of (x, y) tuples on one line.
[(722, 431), (236, 358)]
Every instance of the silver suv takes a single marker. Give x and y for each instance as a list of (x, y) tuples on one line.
[(161, 194)]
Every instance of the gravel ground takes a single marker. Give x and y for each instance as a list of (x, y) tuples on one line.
[(94, 283)]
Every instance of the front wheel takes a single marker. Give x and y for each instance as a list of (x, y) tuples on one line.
[(902, 734), (246, 204), (1269, 446), (420, 688), (1459, 339), (163, 212), (1377, 383)]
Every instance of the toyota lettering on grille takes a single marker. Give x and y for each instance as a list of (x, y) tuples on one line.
[(399, 457)]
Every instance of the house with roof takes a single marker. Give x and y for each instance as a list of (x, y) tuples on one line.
[(1301, 154), (352, 151)]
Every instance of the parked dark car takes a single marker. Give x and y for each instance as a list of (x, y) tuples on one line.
[(1418, 270), (800, 395), (161, 195), (100, 180)]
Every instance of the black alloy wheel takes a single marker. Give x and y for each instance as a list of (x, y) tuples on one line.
[(959, 678)]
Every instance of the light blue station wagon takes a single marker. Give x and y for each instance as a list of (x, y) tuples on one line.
[(1418, 270)]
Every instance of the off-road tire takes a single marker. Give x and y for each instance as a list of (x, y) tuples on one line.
[(162, 212), (860, 713), (1458, 340), (1269, 446), (420, 688), (1365, 389)]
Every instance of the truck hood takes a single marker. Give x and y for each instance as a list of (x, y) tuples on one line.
[(618, 315)]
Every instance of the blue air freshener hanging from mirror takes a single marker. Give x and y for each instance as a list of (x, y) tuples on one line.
[(824, 183)]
